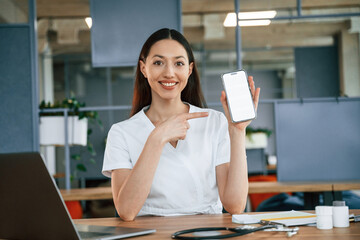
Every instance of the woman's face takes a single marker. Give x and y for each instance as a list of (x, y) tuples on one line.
[(167, 69)]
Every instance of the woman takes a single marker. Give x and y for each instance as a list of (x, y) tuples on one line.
[(173, 156)]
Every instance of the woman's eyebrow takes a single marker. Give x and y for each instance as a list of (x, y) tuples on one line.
[(162, 57), (159, 56), (180, 57)]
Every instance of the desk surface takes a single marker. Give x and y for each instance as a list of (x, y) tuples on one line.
[(254, 187), (165, 226), (86, 193)]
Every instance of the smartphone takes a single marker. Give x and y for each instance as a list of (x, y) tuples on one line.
[(238, 95)]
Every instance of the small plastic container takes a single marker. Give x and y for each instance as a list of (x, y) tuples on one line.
[(341, 216), (324, 218)]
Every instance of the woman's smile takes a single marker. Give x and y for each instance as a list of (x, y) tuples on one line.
[(168, 85)]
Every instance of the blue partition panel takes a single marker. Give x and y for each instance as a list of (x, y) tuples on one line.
[(120, 27), (317, 72), (17, 116), (318, 139)]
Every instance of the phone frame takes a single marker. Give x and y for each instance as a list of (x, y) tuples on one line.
[(227, 99)]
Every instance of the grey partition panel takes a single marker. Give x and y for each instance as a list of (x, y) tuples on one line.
[(17, 116), (317, 72), (318, 139), (120, 27), (256, 161)]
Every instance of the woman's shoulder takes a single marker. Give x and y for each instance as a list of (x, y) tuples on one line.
[(130, 123)]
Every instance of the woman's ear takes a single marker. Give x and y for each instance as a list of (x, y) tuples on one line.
[(191, 66), (143, 68)]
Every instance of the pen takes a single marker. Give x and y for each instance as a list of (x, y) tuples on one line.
[(354, 218)]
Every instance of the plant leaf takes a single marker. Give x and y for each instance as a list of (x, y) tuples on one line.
[(81, 167), (89, 131), (76, 157), (91, 149)]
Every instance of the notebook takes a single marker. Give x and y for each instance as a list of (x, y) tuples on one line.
[(31, 206), (287, 218)]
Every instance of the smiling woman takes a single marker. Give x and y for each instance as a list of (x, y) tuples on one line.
[(173, 156)]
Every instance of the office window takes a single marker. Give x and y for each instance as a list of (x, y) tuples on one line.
[(14, 11), (268, 52)]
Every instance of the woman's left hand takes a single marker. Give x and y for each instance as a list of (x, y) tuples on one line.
[(255, 92)]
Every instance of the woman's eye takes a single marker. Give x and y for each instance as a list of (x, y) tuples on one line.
[(157, 63), (180, 64)]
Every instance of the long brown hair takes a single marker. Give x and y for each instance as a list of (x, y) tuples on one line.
[(142, 92)]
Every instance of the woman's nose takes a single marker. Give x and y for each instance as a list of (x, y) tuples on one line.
[(169, 71)]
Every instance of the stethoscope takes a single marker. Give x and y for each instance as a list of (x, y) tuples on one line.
[(234, 232)]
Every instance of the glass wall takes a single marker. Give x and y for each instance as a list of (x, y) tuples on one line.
[(14, 11), (271, 53)]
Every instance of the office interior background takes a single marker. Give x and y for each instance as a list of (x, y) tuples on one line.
[(46, 54)]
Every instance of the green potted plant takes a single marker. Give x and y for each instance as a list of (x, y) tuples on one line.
[(52, 127), (256, 138)]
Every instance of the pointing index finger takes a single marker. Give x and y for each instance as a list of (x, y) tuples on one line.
[(196, 115)]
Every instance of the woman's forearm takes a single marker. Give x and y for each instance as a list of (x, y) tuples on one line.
[(132, 193), (236, 190)]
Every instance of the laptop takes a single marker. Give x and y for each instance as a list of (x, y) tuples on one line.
[(31, 206)]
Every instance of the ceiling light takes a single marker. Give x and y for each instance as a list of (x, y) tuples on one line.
[(88, 21), (230, 20), (262, 18)]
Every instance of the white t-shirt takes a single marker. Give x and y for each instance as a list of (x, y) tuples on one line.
[(185, 179)]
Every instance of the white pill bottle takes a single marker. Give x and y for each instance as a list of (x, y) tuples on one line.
[(324, 218)]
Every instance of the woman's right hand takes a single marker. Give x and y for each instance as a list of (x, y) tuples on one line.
[(176, 127)]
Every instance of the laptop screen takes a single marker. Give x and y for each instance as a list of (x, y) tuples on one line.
[(31, 206)]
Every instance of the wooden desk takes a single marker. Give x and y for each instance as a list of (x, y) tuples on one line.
[(280, 187), (98, 193), (165, 226), (343, 186), (254, 187), (312, 190)]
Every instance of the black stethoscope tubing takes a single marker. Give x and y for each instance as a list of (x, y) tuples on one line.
[(235, 232)]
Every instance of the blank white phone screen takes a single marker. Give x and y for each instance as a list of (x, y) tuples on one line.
[(238, 96)]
